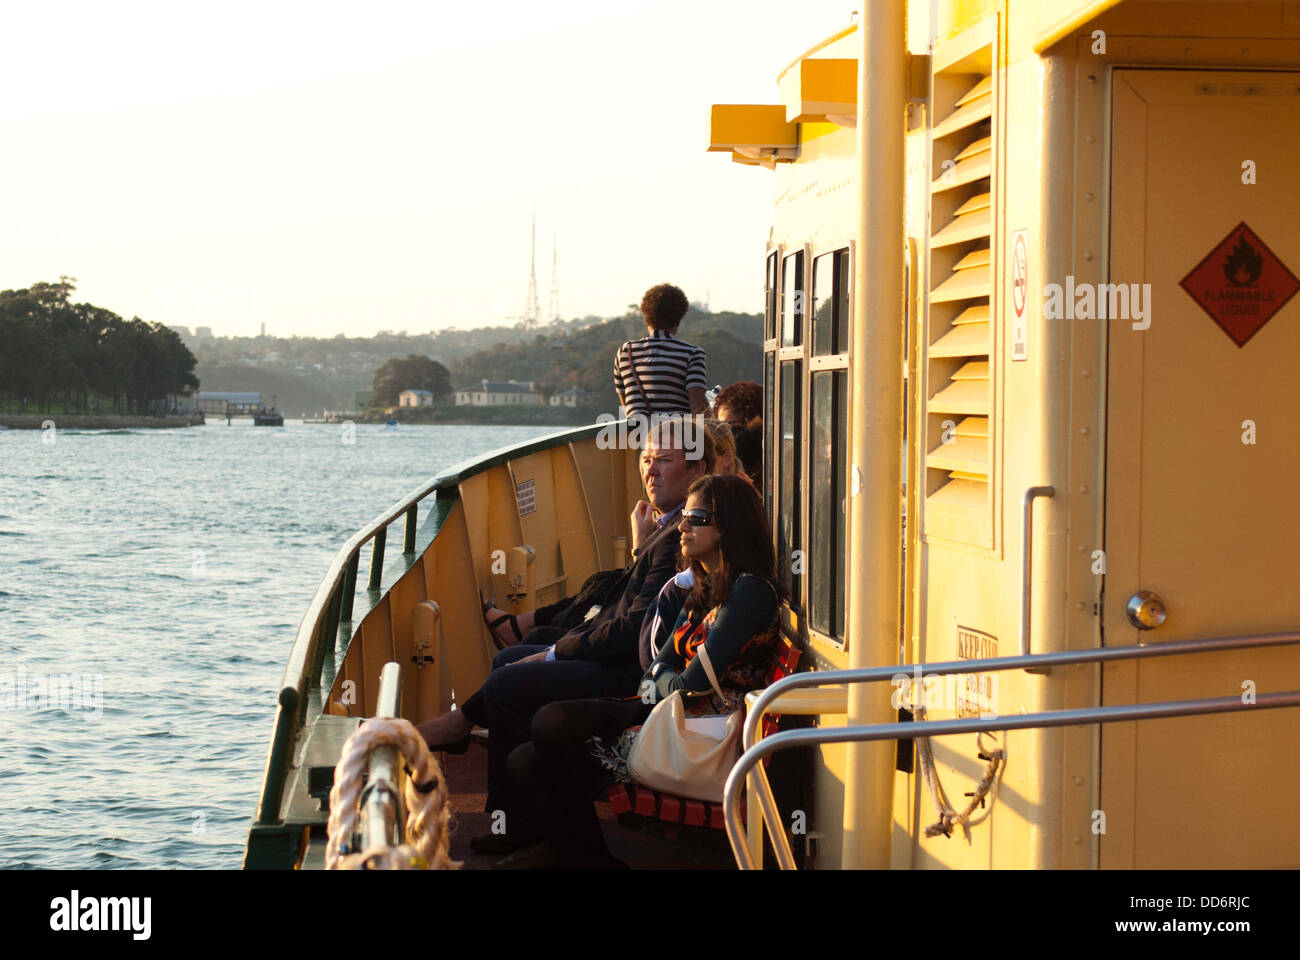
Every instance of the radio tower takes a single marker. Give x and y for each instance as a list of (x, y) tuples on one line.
[(530, 308), (553, 308)]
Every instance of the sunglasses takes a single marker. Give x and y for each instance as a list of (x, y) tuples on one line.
[(698, 518)]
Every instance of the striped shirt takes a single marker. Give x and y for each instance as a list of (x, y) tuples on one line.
[(666, 368)]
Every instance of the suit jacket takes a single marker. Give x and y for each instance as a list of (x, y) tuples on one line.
[(611, 637)]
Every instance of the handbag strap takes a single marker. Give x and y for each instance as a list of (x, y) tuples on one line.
[(702, 654), (632, 367)]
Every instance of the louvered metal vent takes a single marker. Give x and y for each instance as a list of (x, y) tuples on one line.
[(959, 394)]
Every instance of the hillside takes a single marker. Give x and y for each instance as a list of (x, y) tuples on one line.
[(295, 393), (585, 358), (309, 375)]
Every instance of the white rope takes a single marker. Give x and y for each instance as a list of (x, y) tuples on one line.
[(987, 787), (428, 813)]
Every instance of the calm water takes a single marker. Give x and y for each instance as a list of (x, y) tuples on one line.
[(173, 568)]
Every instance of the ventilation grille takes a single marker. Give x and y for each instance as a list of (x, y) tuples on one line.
[(959, 400)]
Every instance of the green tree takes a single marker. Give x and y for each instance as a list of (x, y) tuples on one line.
[(414, 372), (79, 354)]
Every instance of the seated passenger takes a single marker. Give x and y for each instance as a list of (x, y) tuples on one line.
[(660, 374), (749, 450), (724, 440), (579, 747), (598, 657)]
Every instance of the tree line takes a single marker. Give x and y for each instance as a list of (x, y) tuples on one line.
[(584, 358), (84, 358)]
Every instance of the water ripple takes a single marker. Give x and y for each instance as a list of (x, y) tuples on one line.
[(174, 566)]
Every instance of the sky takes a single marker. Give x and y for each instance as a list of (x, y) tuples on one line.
[(332, 168)]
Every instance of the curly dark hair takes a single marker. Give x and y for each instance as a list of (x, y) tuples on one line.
[(745, 545), (744, 398), (663, 307)]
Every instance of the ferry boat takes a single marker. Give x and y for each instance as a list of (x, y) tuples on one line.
[(1028, 351), (264, 417)]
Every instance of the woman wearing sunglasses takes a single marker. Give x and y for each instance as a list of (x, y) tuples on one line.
[(579, 747)]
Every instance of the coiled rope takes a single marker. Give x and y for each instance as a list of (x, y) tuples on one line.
[(428, 814), (987, 787)]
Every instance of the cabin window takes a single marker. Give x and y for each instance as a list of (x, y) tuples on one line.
[(829, 416), (769, 300), (788, 532), (792, 297), (823, 311), (840, 500), (831, 307), (826, 467), (769, 420), (843, 305)]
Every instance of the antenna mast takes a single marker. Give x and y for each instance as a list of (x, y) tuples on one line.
[(553, 308), (530, 308)]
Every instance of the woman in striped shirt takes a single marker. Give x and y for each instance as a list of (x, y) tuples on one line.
[(660, 374)]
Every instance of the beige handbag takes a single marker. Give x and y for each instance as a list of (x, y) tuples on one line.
[(686, 756)]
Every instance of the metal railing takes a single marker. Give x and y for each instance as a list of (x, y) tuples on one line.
[(383, 816), (749, 766), (332, 603)]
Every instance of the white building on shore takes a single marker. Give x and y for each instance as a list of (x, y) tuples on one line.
[(573, 397), (415, 398), (491, 393)]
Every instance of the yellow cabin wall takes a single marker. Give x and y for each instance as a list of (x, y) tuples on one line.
[(1055, 136), (1048, 415)]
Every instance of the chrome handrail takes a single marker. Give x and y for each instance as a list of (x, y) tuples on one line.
[(383, 814), (915, 672)]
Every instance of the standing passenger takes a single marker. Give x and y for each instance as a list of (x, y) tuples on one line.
[(660, 374), (739, 403)]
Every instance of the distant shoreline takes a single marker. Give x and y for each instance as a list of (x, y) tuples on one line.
[(88, 421), (522, 415)]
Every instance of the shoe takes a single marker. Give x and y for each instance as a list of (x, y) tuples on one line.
[(493, 624), (536, 856), (500, 843)]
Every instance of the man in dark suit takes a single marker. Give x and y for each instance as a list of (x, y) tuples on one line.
[(597, 658)]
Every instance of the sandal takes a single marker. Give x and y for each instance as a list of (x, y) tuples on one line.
[(493, 624)]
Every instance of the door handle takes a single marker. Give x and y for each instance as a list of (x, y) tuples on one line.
[(1146, 610), (1027, 562)]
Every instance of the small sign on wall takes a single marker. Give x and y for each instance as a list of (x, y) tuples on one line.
[(526, 497), (1019, 295)]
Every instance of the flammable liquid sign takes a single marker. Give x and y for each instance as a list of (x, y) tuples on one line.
[(1241, 284)]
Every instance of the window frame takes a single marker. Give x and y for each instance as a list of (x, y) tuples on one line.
[(777, 354)]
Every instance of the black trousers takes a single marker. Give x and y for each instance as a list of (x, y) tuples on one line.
[(506, 704), (556, 776)]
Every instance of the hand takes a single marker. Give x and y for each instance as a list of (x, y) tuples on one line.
[(532, 658), (643, 522)]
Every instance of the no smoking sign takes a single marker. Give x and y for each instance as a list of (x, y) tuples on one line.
[(1019, 294)]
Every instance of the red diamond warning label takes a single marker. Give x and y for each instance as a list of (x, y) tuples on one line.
[(1241, 283)]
